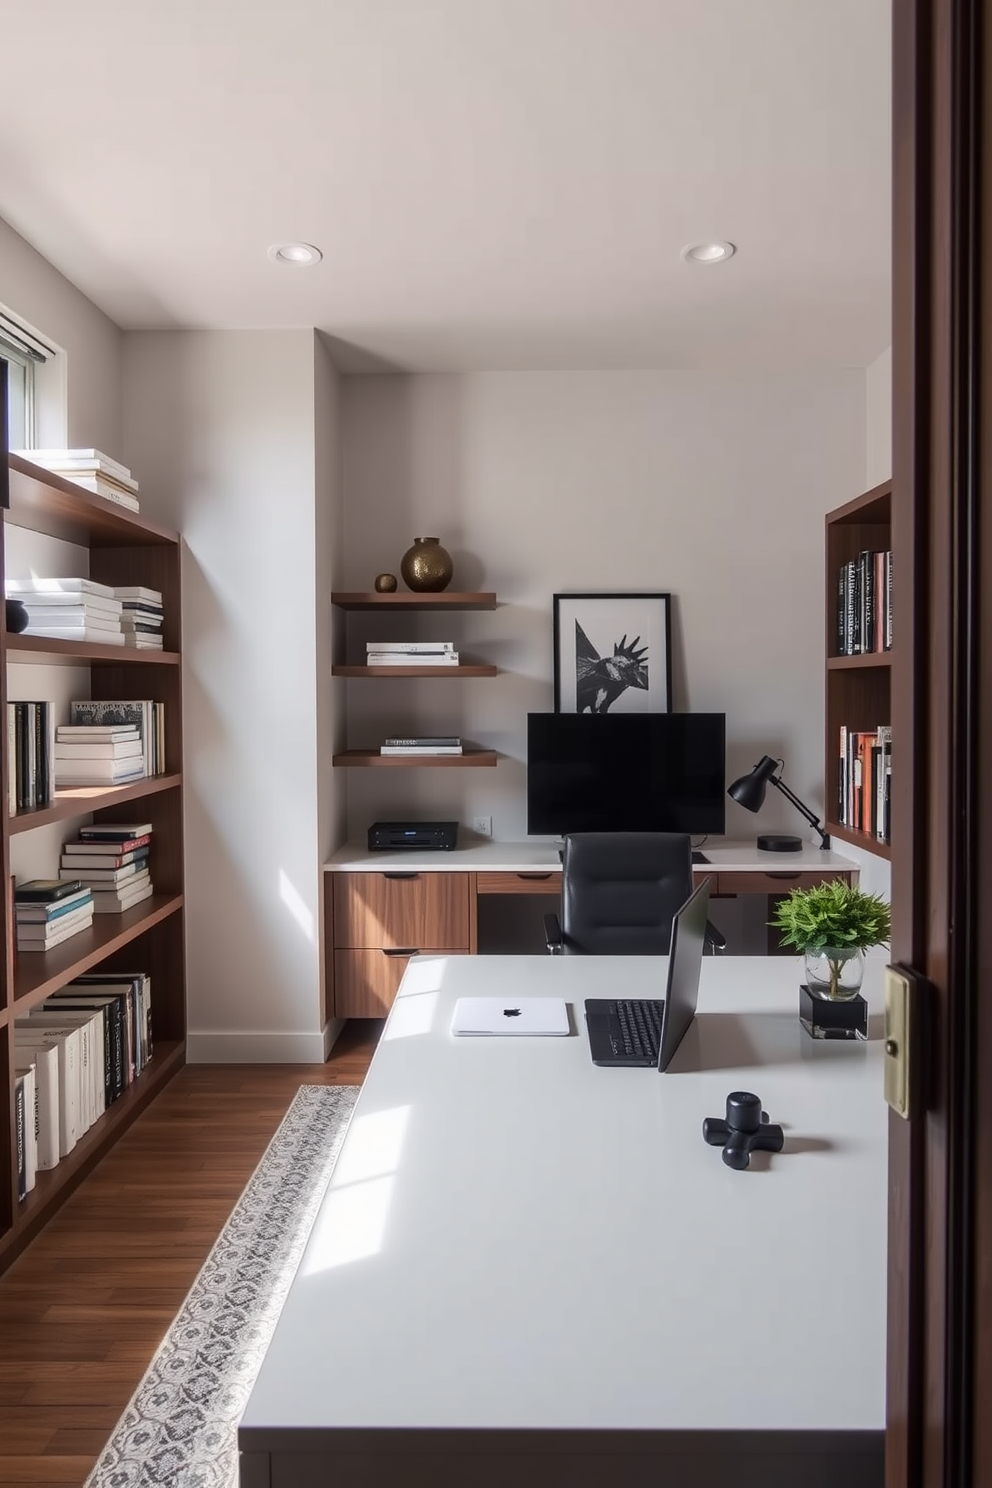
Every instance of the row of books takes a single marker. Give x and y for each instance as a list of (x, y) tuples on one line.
[(442, 744), (104, 743), (92, 470), (74, 1056), (410, 653), (104, 870), (76, 609), (864, 604), (865, 780)]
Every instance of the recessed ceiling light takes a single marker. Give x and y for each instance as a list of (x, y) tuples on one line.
[(707, 253), (297, 255)]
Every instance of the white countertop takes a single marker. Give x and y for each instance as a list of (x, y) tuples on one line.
[(514, 1238), (539, 855)]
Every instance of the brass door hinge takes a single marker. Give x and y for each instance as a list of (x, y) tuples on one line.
[(904, 1066)]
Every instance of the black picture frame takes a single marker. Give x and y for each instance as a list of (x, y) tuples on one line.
[(612, 652)]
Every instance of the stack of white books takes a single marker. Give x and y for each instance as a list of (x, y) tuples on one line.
[(49, 911), (141, 616), (69, 609), (98, 754), (442, 744), (411, 653), (92, 470)]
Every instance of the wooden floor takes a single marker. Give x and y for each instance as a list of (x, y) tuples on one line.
[(83, 1310)]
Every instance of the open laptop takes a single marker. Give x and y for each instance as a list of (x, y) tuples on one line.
[(647, 1031)]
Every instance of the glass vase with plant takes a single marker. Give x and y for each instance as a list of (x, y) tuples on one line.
[(833, 925)]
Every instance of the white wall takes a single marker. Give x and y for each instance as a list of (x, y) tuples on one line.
[(84, 407), (221, 428), (710, 487), (878, 393)]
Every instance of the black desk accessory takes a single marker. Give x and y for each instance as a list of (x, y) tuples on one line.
[(833, 1017), (746, 1130), (749, 792), (17, 616), (432, 836)]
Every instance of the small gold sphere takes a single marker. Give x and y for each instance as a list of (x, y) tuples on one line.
[(385, 583)]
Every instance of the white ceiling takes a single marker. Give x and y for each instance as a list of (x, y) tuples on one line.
[(494, 183)]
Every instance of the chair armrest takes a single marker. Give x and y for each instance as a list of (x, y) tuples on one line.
[(715, 941), (552, 934)]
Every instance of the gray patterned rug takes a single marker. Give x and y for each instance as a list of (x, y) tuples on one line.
[(180, 1427)]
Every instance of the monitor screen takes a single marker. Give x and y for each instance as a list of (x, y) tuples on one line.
[(628, 772)]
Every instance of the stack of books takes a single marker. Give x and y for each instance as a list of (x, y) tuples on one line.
[(92, 470), (443, 744), (111, 859), (30, 777), (147, 716), (98, 754), (141, 616), (49, 911), (69, 609), (411, 653)]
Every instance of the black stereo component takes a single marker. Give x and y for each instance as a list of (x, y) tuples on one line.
[(431, 836)]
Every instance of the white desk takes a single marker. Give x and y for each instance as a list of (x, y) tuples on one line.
[(459, 1319)]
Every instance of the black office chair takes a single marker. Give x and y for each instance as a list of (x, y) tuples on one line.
[(620, 892)]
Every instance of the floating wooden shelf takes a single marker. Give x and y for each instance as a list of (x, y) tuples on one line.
[(860, 839), (31, 648), (45, 502), (447, 600), (468, 670), (859, 663), (37, 974), (80, 799), (366, 758)]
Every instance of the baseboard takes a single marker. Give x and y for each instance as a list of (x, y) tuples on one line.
[(331, 1031), (258, 1048)]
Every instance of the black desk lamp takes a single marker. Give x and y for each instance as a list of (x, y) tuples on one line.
[(749, 792)]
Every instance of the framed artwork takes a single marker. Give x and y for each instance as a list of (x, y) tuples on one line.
[(613, 653)]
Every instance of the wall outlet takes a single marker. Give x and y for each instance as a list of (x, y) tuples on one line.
[(482, 825)]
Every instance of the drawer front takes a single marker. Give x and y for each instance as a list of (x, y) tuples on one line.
[(366, 981), (526, 882), (402, 909), (779, 882)]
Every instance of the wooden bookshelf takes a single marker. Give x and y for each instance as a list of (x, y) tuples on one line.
[(467, 670), (366, 758), (446, 600), (858, 688), (123, 548)]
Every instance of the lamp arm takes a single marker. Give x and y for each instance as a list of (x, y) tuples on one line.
[(803, 809)]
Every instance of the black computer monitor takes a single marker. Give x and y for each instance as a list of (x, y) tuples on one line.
[(629, 772)]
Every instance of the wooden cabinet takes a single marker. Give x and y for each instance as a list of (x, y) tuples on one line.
[(412, 603), (858, 688), (122, 549), (378, 920), (519, 883)]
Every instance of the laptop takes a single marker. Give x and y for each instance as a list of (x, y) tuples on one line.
[(493, 1016), (647, 1032)]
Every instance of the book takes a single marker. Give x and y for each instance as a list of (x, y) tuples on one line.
[(98, 772), (63, 600), (40, 934), (92, 1081), (413, 750), (56, 909), (111, 847), (20, 1159), (103, 731), (142, 713), (98, 749), (427, 741), (25, 1072), (131, 592), (79, 862), (413, 658), (118, 903), (139, 986), (78, 633), (115, 831), (115, 1011), (45, 890), (412, 646), (45, 1059), (20, 587), (141, 627), (110, 878), (78, 459), (102, 485), (70, 617), (31, 1031)]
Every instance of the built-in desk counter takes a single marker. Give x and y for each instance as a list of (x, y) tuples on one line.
[(380, 908)]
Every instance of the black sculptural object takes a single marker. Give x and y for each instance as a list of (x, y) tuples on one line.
[(745, 1130)]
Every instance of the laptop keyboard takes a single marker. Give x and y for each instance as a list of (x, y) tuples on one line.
[(635, 1027)]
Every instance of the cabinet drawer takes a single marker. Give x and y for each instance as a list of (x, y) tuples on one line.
[(366, 981), (526, 882), (402, 909), (779, 882)]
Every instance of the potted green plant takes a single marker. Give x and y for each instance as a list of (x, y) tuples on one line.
[(833, 925)]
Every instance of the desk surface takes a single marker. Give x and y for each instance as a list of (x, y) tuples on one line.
[(538, 856), (467, 1267)]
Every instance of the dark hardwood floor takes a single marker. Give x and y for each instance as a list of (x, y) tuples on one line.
[(83, 1310)]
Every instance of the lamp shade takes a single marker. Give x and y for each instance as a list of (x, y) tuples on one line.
[(749, 790)]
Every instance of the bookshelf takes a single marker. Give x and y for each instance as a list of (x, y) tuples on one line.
[(412, 603), (122, 549), (858, 688)]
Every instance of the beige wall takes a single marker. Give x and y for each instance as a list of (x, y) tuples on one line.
[(878, 392), (712, 488), (221, 426)]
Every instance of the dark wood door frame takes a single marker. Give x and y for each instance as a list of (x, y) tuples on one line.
[(940, 722)]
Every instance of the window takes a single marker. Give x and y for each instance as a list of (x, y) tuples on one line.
[(23, 351)]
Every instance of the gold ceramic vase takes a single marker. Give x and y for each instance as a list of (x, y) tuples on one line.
[(426, 567)]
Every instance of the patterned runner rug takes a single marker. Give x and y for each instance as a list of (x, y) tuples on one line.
[(180, 1427)]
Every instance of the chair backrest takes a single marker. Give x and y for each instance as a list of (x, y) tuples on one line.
[(621, 890)]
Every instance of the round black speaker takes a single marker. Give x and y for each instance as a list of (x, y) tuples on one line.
[(770, 842), (17, 616)]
